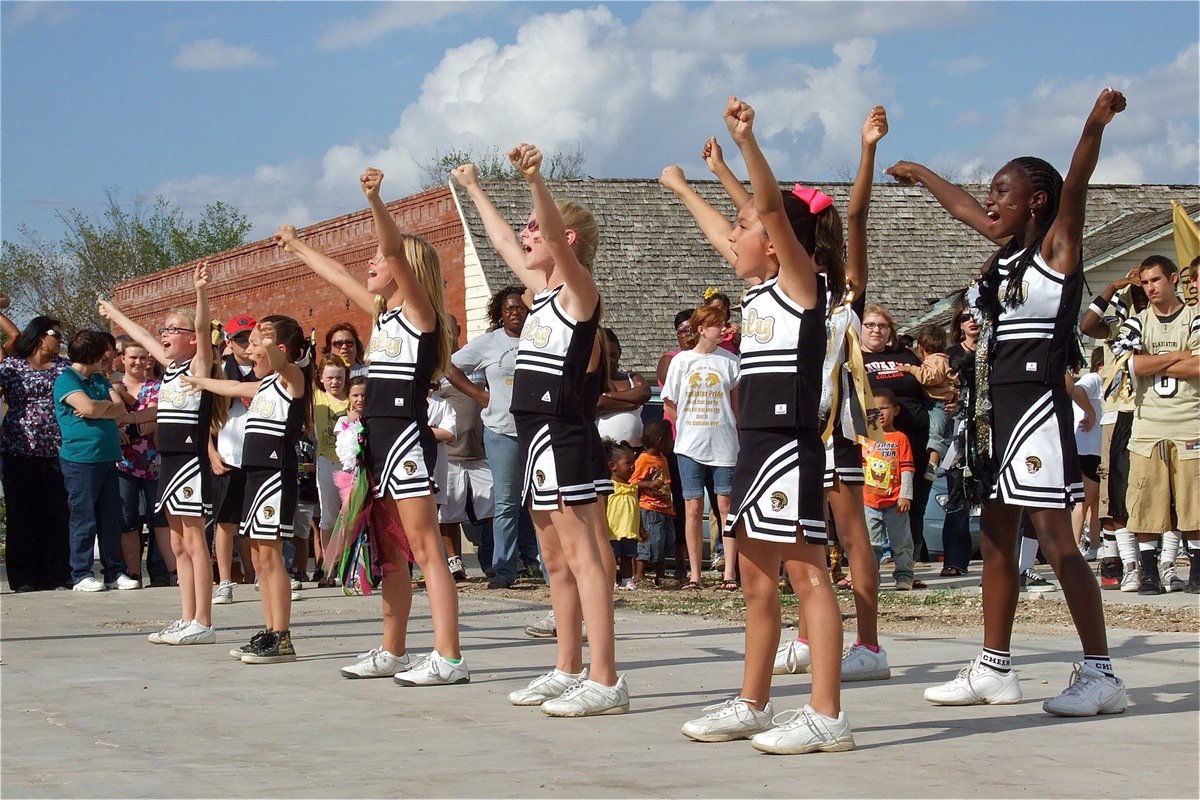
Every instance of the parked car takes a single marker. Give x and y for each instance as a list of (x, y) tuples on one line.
[(935, 515)]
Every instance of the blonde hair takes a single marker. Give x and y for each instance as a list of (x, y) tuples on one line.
[(880, 311), (587, 232), (427, 268)]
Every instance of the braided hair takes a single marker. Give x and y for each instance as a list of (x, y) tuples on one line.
[(1042, 177)]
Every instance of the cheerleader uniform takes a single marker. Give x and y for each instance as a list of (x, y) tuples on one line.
[(269, 460), (400, 452), (777, 483), (549, 401), (593, 387), (1033, 428), (843, 455), (182, 434)]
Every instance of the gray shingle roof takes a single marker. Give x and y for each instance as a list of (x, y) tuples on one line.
[(653, 261)]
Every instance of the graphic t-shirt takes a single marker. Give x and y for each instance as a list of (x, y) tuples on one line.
[(883, 464)]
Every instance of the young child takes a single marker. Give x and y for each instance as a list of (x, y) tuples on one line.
[(624, 521), (888, 466), (280, 410), (184, 420), (940, 384), (652, 477)]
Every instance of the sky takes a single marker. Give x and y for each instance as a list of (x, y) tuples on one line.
[(275, 108)]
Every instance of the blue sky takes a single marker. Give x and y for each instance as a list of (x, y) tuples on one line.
[(275, 107)]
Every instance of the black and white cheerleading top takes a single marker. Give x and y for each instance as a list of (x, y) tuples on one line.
[(783, 349), (183, 416), (552, 359), (1034, 337), (273, 425), (402, 362)]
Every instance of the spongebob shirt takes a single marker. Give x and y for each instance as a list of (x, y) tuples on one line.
[(883, 465), (700, 385)]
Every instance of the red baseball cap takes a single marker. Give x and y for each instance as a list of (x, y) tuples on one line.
[(239, 324)]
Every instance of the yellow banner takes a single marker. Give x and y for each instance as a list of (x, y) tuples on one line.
[(1187, 246)]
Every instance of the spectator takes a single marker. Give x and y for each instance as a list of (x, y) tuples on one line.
[(956, 528), (651, 475), (1087, 393), (342, 340), (888, 467), (940, 386), (330, 401), (619, 410)]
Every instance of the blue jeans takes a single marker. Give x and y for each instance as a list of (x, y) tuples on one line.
[(508, 521), (891, 525), (94, 503)]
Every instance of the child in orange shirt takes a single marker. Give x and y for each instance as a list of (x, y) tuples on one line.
[(888, 468), (652, 477)]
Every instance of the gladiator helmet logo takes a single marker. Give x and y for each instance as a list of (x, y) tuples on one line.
[(779, 501), (268, 512), (540, 477), (410, 467), (1033, 464), (188, 492)]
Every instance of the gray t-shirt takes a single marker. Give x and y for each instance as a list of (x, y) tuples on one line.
[(495, 355)]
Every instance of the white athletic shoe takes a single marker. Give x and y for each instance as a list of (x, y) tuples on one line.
[(805, 731), (433, 670), (223, 594), (588, 699), (724, 722), (377, 663), (1171, 582), (859, 663), (295, 585), (192, 633), (974, 685), (157, 636), (552, 685), (791, 658), (123, 583), (89, 584), (1131, 582), (1089, 693)]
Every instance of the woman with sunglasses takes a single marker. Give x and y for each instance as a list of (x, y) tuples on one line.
[(37, 546), (342, 340)]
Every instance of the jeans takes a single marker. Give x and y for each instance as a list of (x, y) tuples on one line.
[(94, 502), (890, 525), (508, 522), (956, 529)]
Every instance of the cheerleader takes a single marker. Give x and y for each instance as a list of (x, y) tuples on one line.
[(1021, 444)]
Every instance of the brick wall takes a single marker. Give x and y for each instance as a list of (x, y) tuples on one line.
[(260, 279)]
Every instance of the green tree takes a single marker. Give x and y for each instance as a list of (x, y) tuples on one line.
[(494, 165), (64, 278)]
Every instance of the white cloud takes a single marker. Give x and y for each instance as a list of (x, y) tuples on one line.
[(214, 54), (966, 64), (29, 13), (385, 19)]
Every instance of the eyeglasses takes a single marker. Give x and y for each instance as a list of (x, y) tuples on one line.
[(531, 226), (342, 343), (879, 326), (172, 330), (684, 329)]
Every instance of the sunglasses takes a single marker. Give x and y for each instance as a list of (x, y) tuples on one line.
[(53, 333), (342, 343), (172, 330), (242, 338), (965, 317)]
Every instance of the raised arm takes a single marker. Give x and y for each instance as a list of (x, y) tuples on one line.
[(797, 273), (417, 305), (202, 361), (712, 223), (715, 160), (503, 238), (1094, 322), (136, 332), (290, 375), (10, 330), (1061, 246), (326, 268), (580, 297), (955, 199), (220, 386), (874, 128)]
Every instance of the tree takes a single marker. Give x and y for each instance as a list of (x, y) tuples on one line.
[(494, 165), (64, 279)]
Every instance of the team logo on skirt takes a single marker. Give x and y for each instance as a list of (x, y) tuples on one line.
[(410, 467), (188, 492), (540, 477), (1033, 464), (779, 501), (268, 512)]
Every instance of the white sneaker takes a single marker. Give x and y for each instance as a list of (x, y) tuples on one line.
[(295, 595), (123, 583), (1089, 693), (89, 585), (805, 731), (1171, 582), (974, 685), (733, 719), (543, 628), (1130, 582), (295, 585), (859, 663), (791, 658), (157, 636), (377, 663), (553, 684), (433, 670), (588, 699), (223, 594), (192, 633)]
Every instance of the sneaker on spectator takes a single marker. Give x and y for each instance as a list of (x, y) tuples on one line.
[(805, 731), (1193, 584), (554, 683), (223, 594), (192, 633), (1110, 572), (976, 685), (724, 722), (295, 585), (500, 583), (1130, 582), (1033, 582), (89, 584), (123, 583), (903, 585), (377, 663), (157, 636), (1089, 693), (433, 670), (860, 663), (718, 563), (295, 595), (1149, 586), (1171, 582), (275, 648), (254, 643), (589, 699), (457, 570), (792, 657), (543, 628)]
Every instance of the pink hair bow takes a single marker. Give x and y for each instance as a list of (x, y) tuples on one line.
[(817, 200)]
